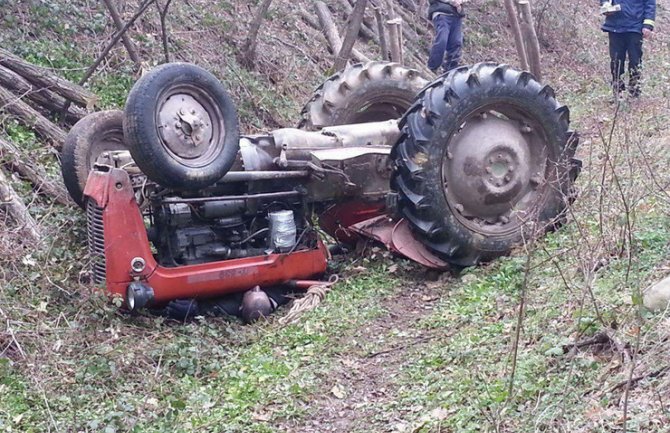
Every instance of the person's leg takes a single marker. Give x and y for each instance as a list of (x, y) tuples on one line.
[(618, 47), (454, 43), (634, 63), (439, 43)]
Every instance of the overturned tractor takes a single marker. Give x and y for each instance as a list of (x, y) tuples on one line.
[(449, 173)]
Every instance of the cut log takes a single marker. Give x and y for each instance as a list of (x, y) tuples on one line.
[(11, 203), (331, 33), (127, 42), (43, 97), (394, 28), (355, 21), (46, 79), (55, 190), (31, 118)]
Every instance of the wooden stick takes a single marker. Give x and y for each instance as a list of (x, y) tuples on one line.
[(31, 118), (45, 79), (355, 21), (33, 172), (13, 205), (532, 44), (127, 42), (516, 31)]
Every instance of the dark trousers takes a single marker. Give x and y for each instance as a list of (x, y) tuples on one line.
[(448, 40), (624, 45)]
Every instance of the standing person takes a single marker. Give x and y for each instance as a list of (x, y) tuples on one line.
[(627, 27), (447, 18)]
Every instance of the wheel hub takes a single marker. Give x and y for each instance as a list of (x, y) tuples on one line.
[(185, 126), (487, 169)]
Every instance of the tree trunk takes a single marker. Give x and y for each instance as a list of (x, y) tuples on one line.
[(44, 78), (330, 31), (33, 172), (532, 44), (130, 47), (249, 50), (355, 21), (43, 97), (13, 205), (516, 31), (29, 117)]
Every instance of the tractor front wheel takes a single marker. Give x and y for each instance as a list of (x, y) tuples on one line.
[(181, 126), (485, 161)]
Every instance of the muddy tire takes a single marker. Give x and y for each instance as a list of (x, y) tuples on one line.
[(94, 134), (181, 126), (369, 92), (484, 151)]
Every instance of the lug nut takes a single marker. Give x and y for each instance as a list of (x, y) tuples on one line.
[(459, 207), (504, 219), (488, 170), (526, 129)]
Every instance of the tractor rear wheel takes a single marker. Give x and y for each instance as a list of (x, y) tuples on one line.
[(94, 134), (181, 126), (485, 160), (369, 92)]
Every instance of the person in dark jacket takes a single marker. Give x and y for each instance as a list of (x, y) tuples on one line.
[(447, 18), (627, 28)]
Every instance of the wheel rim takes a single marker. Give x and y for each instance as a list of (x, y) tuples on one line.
[(495, 171), (378, 109), (190, 125), (107, 141)]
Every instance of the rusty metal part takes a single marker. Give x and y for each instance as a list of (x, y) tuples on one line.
[(398, 237), (256, 304), (493, 168), (190, 125)]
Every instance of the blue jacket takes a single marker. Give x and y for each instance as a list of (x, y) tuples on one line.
[(634, 15)]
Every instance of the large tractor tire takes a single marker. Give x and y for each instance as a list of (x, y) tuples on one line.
[(369, 92), (485, 160), (94, 134), (181, 126)]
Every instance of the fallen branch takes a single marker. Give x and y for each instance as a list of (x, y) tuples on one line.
[(633, 381), (45, 79), (11, 203), (31, 118)]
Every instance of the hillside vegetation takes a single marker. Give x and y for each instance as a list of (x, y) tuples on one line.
[(392, 349)]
